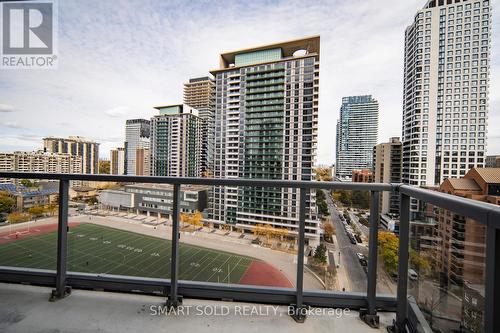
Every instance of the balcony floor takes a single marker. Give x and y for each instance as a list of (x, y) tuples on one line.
[(26, 308)]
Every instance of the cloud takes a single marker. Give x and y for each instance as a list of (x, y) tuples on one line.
[(6, 108), (117, 112), (119, 59), (9, 124)]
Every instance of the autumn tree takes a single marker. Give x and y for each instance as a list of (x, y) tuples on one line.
[(329, 230), (18, 217), (193, 219), (388, 244), (323, 174), (52, 209), (7, 203), (36, 211), (388, 248), (104, 167)]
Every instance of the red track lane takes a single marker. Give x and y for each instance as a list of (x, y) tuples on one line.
[(262, 274), (35, 230)]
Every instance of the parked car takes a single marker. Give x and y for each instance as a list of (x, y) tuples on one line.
[(362, 259), (412, 275), (351, 237)]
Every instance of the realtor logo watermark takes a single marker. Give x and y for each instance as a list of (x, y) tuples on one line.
[(29, 35)]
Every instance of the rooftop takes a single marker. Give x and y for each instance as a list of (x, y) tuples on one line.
[(464, 184), (175, 109), (490, 175), (186, 187), (71, 138), (310, 44)]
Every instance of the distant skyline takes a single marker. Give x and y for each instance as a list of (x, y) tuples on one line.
[(117, 60)]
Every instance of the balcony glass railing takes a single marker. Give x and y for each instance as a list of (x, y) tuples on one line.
[(172, 243)]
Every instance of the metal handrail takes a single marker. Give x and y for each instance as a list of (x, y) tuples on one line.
[(484, 213)]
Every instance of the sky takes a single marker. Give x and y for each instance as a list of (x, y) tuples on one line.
[(118, 59)]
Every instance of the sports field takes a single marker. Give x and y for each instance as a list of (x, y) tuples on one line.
[(97, 249)]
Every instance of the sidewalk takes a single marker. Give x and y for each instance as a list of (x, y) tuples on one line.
[(342, 279)]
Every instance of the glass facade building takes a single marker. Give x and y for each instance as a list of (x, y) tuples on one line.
[(357, 133), (176, 142), (266, 118), (137, 134)]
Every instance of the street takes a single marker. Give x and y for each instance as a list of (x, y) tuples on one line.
[(348, 260), (361, 227)]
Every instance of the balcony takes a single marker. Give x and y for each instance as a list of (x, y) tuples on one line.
[(114, 302)]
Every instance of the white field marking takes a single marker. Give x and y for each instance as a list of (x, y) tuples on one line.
[(220, 270), (229, 272)]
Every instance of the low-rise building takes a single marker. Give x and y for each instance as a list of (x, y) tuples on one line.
[(492, 161), (154, 199), (362, 176), (82, 192), (461, 241), (27, 198)]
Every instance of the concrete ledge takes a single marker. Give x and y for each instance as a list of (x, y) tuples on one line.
[(26, 309)]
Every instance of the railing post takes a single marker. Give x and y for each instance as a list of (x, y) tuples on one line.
[(492, 279), (174, 300), (299, 311), (403, 254), (370, 315), (61, 289)]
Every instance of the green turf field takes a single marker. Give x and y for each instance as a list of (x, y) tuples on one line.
[(97, 249)]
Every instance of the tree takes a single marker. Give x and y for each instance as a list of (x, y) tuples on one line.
[(196, 219), (361, 199), (345, 197), (388, 247), (27, 183), (7, 203), (192, 219), (329, 229), (280, 233), (17, 217), (264, 230), (207, 174), (421, 263), (321, 203), (92, 200), (52, 209), (323, 174), (104, 167), (36, 211), (183, 218), (320, 254)]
